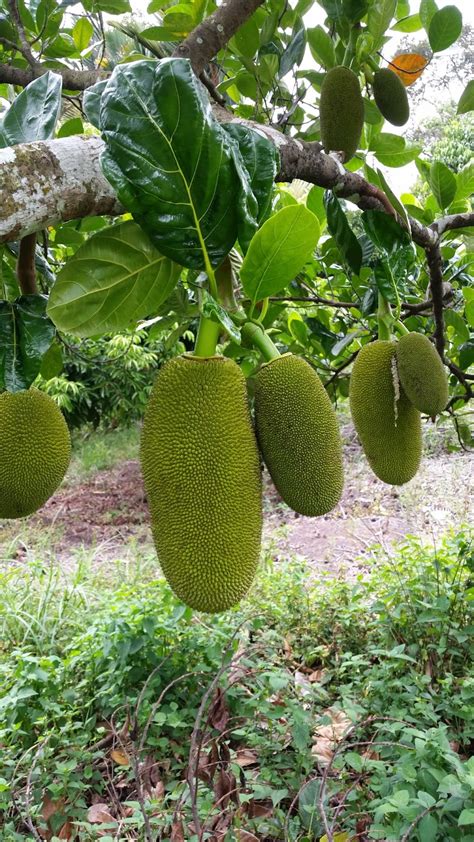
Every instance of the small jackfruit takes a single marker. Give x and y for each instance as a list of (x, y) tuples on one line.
[(388, 425), (391, 96), (341, 111), (298, 435), (422, 373), (35, 451), (201, 470)]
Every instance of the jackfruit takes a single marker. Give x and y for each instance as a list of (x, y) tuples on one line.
[(387, 423), (201, 470), (298, 435), (341, 111), (35, 451), (391, 96), (422, 373)]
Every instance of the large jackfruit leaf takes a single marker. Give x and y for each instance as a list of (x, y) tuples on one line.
[(279, 251), (173, 166), (34, 113), (26, 333), (261, 160), (114, 279)]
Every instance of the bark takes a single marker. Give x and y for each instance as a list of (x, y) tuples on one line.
[(49, 182)]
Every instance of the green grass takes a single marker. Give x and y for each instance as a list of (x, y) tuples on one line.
[(100, 450), (112, 656)]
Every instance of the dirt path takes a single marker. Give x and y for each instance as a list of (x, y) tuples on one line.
[(111, 508)]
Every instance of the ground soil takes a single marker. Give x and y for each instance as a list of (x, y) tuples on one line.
[(110, 508)]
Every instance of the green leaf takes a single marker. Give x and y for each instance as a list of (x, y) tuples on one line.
[(466, 354), (468, 293), (466, 817), (465, 181), (71, 127), (315, 203), (308, 807), (459, 326), (443, 184), (34, 113), (384, 231), (294, 52), (428, 9), (466, 103), (392, 151), (428, 828), (171, 163), (25, 335), (261, 160), (52, 362), (343, 234), (211, 309), (114, 279), (445, 28), (92, 100), (279, 251), (112, 7), (411, 23), (379, 17), (82, 33), (322, 47), (394, 200)]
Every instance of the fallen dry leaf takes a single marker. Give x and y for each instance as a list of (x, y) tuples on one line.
[(245, 757), (303, 684), (177, 832), (119, 757), (51, 807), (317, 675), (328, 736), (66, 831), (245, 836), (99, 814)]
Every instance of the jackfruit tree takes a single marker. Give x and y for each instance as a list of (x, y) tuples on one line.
[(224, 176)]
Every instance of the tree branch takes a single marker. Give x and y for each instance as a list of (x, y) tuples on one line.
[(215, 32), (25, 48), (73, 80), (435, 270)]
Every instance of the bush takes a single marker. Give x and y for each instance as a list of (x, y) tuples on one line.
[(360, 694)]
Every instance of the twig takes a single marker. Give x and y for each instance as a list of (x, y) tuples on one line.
[(418, 819), (214, 93)]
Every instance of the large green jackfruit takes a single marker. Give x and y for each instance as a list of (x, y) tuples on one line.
[(388, 425), (422, 373), (201, 469), (35, 449), (391, 96), (341, 111), (298, 435)]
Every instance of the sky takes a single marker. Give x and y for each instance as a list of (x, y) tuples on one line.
[(403, 177)]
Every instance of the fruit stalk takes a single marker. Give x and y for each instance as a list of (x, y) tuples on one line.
[(207, 338), (255, 334)]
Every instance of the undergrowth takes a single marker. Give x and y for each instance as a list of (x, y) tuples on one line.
[(317, 709)]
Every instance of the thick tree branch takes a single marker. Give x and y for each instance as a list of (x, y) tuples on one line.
[(215, 32), (49, 182), (73, 80)]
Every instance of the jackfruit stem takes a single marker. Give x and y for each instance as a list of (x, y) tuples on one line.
[(207, 338), (255, 334), (384, 318), (401, 328)]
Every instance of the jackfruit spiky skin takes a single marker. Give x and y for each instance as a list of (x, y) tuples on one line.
[(35, 451), (391, 97), (341, 111), (201, 469), (298, 435), (422, 373), (389, 427)]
